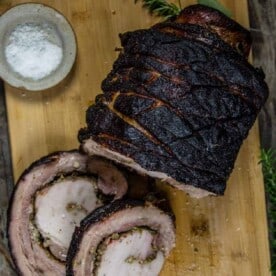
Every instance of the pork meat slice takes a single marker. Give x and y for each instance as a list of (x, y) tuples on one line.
[(50, 199), (125, 237)]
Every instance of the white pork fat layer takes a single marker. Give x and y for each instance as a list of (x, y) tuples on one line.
[(131, 255), (93, 148), (60, 208)]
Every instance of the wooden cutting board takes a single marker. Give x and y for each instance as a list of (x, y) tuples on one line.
[(215, 236)]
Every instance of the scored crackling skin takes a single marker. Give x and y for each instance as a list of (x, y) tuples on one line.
[(125, 237), (179, 101), (49, 200)]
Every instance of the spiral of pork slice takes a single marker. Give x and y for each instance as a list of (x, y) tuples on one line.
[(51, 197), (125, 237)]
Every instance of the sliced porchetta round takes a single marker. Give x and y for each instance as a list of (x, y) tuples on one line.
[(50, 199), (125, 237)]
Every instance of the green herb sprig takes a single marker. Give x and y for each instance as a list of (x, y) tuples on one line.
[(167, 10), (268, 161), (161, 8)]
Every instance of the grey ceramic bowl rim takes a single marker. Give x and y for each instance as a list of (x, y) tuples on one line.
[(34, 12)]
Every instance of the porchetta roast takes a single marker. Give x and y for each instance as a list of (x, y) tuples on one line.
[(179, 101)]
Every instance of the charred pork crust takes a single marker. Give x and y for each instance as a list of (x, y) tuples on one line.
[(99, 215), (227, 29), (180, 99)]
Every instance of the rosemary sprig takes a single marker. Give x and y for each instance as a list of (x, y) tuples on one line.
[(268, 161), (161, 8), (167, 10)]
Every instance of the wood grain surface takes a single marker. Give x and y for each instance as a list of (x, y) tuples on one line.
[(215, 236)]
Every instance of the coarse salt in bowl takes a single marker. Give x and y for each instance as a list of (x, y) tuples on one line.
[(38, 47), (30, 53)]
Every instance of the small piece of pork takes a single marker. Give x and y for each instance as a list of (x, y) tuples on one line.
[(50, 199), (125, 237)]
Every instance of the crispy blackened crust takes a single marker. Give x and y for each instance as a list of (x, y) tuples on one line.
[(179, 101), (227, 29)]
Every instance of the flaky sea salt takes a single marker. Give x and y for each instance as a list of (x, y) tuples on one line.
[(30, 51)]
